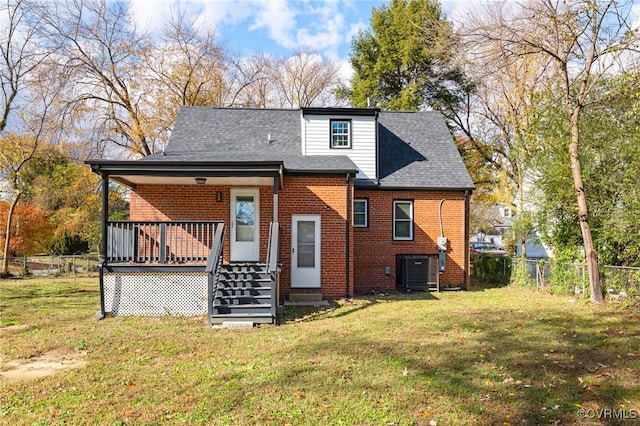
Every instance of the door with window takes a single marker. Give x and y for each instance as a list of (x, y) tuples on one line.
[(245, 225), (305, 251)]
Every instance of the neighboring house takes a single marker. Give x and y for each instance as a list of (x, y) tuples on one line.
[(499, 220), (535, 249), (314, 203)]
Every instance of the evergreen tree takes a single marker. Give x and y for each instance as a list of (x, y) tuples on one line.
[(406, 61)]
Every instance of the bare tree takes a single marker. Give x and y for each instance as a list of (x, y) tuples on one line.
[(21, 55), (29, 94), (102, 61), (503, 105), (583, 40), (250, 84), (187, 67), (304, 79)]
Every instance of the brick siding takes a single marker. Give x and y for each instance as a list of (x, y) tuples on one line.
[(375, 248), (371, 249)]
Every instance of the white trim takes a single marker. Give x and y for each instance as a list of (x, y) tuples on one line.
[(303, 133), (411, 222), (244, 251), (366, 212), (306, 277)]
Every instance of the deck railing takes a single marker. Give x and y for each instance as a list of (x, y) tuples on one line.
[(213, 269), (273, 249), (159, 242)]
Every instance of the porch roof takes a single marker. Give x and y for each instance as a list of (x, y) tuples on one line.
[(133, 173), (177, 169)]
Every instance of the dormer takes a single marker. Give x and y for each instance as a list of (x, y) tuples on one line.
[(350, 132)]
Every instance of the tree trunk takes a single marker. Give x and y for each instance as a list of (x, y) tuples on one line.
[(7, 239), (576, 170), (523, 236)]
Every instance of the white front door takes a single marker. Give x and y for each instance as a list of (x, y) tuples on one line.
[(245, 225), (305, 251)]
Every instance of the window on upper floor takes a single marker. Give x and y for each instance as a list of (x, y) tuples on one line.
[(403, 220), (361, 213), (340, 133)]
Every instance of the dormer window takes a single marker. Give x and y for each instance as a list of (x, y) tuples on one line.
[(340, 133)]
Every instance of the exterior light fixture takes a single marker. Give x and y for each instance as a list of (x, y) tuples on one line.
[(201, 180), (219, 196)]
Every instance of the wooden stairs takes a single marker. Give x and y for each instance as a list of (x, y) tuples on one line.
[(245, 294)]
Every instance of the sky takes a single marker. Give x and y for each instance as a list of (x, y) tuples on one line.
[(278, 27)]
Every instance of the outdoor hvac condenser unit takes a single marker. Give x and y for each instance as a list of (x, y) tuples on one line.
[(417, 272)]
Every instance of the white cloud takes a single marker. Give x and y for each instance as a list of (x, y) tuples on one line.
[(327, 27), (279, 19)]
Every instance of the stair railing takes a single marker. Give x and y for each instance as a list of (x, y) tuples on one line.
[(272, 249), (213, 268), (272, 264)]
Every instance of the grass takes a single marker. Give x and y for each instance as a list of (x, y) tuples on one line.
[(497, 356)]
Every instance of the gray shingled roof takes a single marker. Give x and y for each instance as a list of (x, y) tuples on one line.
[(240, 134), (416, 148), (417, 151)]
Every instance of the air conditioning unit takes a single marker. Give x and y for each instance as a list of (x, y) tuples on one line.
[(417, 272)]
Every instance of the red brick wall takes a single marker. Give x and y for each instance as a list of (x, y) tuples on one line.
[(324, 196), (375, 248), (321, 195), (196, 202), (371, 248)]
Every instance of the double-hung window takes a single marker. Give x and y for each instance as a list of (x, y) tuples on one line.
[(403, 220), (340, 133), (360, 213)]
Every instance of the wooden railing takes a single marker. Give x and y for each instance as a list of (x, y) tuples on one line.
[(213, 268), (273, 249), (273, 246), (159, 242)]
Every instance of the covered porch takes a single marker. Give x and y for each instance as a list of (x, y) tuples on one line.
[(177, 260)]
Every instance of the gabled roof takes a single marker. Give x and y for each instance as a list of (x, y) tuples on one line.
[(245, 134), (417, 151)]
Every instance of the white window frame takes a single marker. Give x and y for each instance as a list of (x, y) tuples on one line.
[(366, 212), (410, 220), (332, 134)]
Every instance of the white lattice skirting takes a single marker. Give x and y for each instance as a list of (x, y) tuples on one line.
[(155, 294)]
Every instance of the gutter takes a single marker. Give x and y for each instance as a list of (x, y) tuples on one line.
[(347, 238)]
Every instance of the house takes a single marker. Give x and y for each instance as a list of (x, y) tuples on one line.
[(247, 208), (495, 221)]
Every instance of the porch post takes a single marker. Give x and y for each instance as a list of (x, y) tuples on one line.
[(275, 198), (105, 235)]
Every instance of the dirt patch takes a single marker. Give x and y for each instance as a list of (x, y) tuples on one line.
[(42, 366)]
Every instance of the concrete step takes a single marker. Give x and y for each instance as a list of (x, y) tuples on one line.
[(247, 318)]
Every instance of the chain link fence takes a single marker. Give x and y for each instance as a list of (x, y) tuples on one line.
[(573, 278), (85, 264)]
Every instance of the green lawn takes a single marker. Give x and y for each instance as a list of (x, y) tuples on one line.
[(499, 356)]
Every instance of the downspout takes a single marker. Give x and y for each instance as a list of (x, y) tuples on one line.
[(105, 217), (347, 239), (465, 269)]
